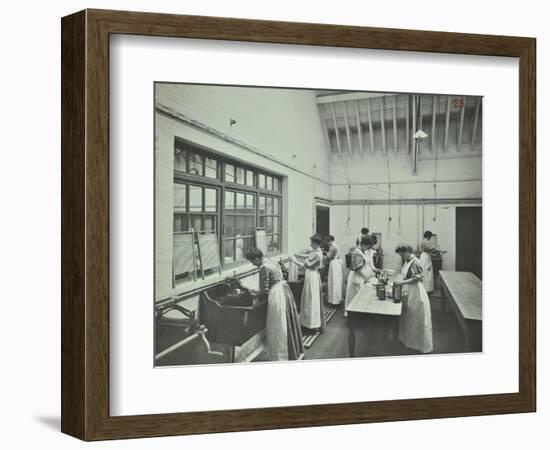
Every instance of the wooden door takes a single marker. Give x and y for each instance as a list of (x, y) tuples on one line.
[(469, 240), (323, 221)]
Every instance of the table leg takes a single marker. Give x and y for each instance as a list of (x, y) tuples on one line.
[(473, 336), (443, 298), (351, 341), (395, 329)]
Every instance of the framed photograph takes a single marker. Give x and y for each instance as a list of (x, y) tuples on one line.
[(273, 225)]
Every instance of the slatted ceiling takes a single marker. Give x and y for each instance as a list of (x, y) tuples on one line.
[(183, 253), (261, 240), (375, 126), (209, 251)]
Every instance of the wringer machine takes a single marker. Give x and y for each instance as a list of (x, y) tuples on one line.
[(231, 314)]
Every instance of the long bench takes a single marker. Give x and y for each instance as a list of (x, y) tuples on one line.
[(462, 292)]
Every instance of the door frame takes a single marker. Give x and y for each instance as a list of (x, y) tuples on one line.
[(453, 232)]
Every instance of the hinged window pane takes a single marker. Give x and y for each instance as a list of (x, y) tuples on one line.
[(180, 159), (229, 200), (196, 164), (229, 173), (240, 175), (195, 198), (180, 197), (249, 178), (211, 168), (240, 202), (210, 200)]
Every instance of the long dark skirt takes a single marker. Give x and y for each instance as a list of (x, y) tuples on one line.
[(294, 333)]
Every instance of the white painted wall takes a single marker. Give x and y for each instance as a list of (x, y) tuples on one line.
[(405, 184), (410, 232), (457, 178)]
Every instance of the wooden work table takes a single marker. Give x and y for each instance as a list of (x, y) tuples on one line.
[(462, 291), (367, 310)]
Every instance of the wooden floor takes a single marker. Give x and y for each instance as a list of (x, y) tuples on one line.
[(333, 342)]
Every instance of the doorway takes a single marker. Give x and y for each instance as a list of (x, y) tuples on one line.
[(469, 240), (323, 221)]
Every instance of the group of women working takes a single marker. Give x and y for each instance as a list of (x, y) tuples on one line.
[(283, 327)]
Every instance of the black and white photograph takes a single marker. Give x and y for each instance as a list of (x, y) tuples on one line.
[(296, 224)]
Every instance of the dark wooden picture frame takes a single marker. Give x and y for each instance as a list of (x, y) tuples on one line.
[(85, 224)]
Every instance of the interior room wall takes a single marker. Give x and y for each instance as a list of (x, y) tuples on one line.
[(455, 177), (405, 227), (366, 179)]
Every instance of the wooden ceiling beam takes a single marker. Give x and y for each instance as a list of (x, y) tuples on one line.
[(474, 126), (336, 130), (322, 111), (383, 125), (394, 104), (461, 126), (434, 113), (447, 120), (346, 123), (371, 135), (407, 131), (413, 121), (359, 128)]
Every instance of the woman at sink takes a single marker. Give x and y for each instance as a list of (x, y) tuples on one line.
[(284, 337)]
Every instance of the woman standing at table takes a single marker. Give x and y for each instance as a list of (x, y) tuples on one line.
[(415, 326), (427, 246), (311, 306), (284, 337), (362, 268), (334, 273)]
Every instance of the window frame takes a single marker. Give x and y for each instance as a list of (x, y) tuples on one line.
[(221, 186)]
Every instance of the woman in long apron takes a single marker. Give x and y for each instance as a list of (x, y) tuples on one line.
[(427, 246), (415, 326), (334, 273), (284, 337), (311, 306), (362, 268)]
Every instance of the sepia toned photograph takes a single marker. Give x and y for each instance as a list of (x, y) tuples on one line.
[(312, 224)]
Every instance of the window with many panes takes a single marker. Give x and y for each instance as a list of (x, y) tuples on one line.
[(214, 193)]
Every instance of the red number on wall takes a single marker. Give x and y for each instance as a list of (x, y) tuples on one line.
[(458, 103)]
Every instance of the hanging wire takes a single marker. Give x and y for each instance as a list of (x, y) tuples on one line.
[(417, 226), (389, 195), (368, 215), (313, 215), (435, 202), (435, 180), (374, 188), (348, 222), (399, 220)]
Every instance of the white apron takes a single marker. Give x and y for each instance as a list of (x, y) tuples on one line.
[(335, 280), (415, 326), (276, 324), (310, 309), (427, 271), (356, 280)]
